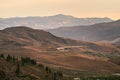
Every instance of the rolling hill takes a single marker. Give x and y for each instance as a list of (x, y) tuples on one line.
[(97, 32), (45, 48), (14, 69)]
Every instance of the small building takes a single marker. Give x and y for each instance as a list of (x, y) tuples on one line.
[(76, 78), (62, 49)]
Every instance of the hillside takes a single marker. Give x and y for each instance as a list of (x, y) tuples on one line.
[(14, 69), (56, 51), (98, 32), (49, 22), (24, 68)]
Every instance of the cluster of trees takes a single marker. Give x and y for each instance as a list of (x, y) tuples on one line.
[(57, 75), (9, 58), (27, 60), (20, 62), (49, 73)]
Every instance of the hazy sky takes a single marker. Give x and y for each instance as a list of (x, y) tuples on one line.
[(77, 8)]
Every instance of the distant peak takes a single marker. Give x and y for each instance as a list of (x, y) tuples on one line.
[(62, 15), (59, 15), (108, 18)]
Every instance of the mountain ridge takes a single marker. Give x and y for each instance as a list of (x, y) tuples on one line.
[(97, 32), (49, 22)]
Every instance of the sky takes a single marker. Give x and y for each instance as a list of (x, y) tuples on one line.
[(77, 8)]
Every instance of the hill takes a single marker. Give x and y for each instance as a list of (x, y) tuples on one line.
[(49, 22), (24, 68), (56, 51), (97, 32)]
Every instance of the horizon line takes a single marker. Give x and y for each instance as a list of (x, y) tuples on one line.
[(55, 15)]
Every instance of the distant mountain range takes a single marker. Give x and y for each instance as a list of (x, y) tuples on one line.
[(109, 32), (50, 22)]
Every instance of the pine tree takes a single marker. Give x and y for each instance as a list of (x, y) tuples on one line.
[(47, 69), (59, 74), (2, 75), (54, 76), (13, 58), (9, 58), (1, 56), (17, 71)]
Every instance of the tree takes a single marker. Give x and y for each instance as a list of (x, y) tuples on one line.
[(13, 58), (17, 71), (47, 69), (54, 76), (59, 74), (2, 75), (33, 62), (1, 56), (40, 65), (9, 58)]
